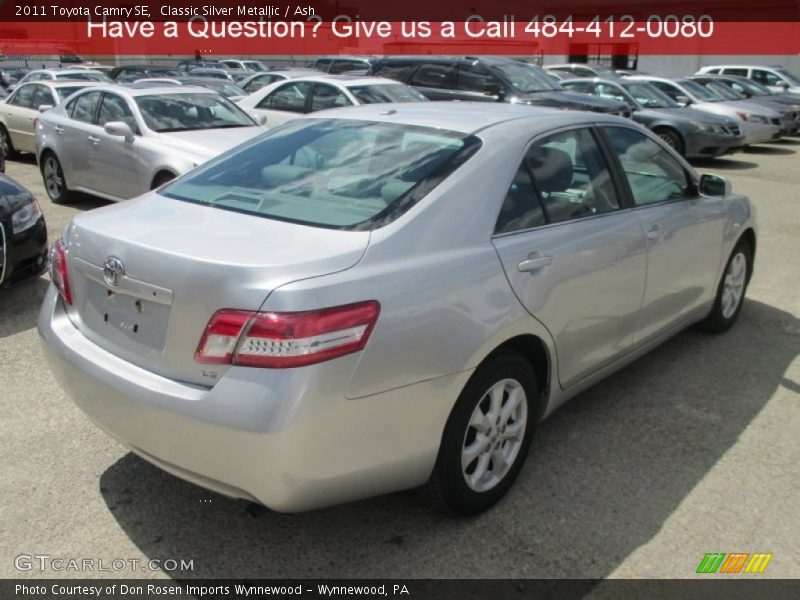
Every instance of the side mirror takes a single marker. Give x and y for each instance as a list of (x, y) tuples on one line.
[(261, 119), (683, 100), (494, 89), (784, 85), (45, 107), (715, 186), (119, 128)]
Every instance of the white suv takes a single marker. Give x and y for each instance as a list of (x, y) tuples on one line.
[(777, 79)]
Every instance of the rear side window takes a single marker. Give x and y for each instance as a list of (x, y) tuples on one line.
[(522, 208), (23, 97), (653, 174), (732, 71), (766, 78), (571, 176), (397, 70), (435, 76), (330, 173), (290, 97)]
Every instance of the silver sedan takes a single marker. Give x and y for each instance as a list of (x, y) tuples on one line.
[(120, 141), (376, 298)]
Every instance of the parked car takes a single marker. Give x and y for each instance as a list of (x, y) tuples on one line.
[(777, 79), (255, 82), (186, 65), (120, 141), (130, 73), (71, 74), (690, 133), (244, 65), (363, 300), (751, 90), (12, 75), (487, 79), (336, 65), (581, 70), (759, 123), (782, 103), (287, 100), (225, 74), (222, 86), (19, 112), (23, 234)]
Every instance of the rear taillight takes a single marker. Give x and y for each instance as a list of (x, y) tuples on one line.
[(58, 271), (283, 340)]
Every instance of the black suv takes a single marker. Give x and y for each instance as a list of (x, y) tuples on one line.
[(488, 79)]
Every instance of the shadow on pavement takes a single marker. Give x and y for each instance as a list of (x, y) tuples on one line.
[(19, 305), (605, 473), (722, 164), (769, 150)]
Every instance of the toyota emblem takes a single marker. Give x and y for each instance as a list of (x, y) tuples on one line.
[(113, 271)]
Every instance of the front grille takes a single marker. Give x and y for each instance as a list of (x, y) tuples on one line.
[(776, 121), (733, 130)]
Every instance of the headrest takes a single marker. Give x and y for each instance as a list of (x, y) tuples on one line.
[(552, 168)]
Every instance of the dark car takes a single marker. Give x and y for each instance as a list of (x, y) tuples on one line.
[(129, 73), (689, 132), (23, 233), (488, 79)]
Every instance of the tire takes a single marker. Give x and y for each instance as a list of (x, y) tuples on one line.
[(731, 290), (6, 145), (54, 182), (463, 484), (673, 139), (161, 179)]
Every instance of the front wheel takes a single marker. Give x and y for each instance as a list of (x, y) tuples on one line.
[(731, 290), (54, 181), (487, 437), (6, 145), (673, 139)]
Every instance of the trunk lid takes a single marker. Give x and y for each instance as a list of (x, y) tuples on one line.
[(172, 264)]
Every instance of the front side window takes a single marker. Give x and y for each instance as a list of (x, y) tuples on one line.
[(23, 97), (433, 75), (525, 78), (653, 174), (766, 78), (83, 107), (256, 83), (181, 112), (649, 96), (474, 77), (329, 172), (115, 108), (732, 71), (386, 92), (290, 97), (581, 87), (605, 90)]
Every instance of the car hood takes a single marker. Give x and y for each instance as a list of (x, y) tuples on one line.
[(688, 115), (207, 143), (753, 107)]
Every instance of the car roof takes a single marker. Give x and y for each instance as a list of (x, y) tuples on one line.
[(149, 89), (605, 80), (346, 80), (464, 117)]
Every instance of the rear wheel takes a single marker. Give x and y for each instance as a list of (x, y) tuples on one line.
[(731, 290), (6, 145), (161, 179), (54, 181), (672, 138), (487, 437)]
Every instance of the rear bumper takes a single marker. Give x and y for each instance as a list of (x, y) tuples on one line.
[(288, 439)]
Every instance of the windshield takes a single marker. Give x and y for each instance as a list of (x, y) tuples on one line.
[(648, 96), (254, 65), (182, 112), (723, 91), (790, 77), (698, 91), (64, 92), (85, 76), (525, 78), (391, 92), (330, 173)]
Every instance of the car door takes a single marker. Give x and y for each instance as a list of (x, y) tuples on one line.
[(74, 144), (115, 161), (572, 252), (683, 231), (18, 114), (285, 102)]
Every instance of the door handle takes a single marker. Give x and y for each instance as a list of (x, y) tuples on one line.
[(94, 140), (656, 233), (535, 261), (58, 129)]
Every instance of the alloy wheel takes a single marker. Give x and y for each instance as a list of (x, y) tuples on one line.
[(733, 286), (53, 179)]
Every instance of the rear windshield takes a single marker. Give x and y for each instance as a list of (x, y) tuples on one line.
[(386, 92), (331, 173)]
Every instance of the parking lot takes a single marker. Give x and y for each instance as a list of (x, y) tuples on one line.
[(692, 449)]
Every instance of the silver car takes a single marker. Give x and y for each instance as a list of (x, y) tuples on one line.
[(759, 124), (375, 298), (120, 141)]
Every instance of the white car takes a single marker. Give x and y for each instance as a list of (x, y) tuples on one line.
[(776, 79), (75, 74), (21, 109), (255, 82), (286, 100)]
